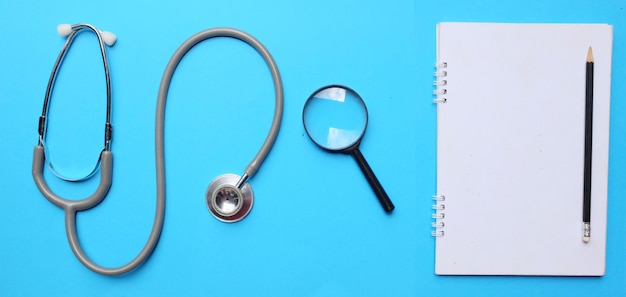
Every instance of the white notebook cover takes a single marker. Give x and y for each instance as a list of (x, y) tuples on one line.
[(510, 147)]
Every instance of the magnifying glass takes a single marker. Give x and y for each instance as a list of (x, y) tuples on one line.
[(335, 118)]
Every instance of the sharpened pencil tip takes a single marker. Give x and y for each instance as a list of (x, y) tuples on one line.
[(589, 55)]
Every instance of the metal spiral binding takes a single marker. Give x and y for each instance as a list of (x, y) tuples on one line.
[(439, 216), (441, 90), (441, 83)]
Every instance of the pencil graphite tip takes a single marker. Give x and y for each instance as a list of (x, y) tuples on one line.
[(589, 55)]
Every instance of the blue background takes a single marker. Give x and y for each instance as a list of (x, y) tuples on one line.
[(316, 228)]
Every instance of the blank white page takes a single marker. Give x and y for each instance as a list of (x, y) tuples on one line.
[(510, 148)]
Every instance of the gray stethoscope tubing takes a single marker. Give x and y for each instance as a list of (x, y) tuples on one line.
[(278, 110), (71, 207)]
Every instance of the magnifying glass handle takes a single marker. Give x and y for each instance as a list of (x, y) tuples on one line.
[(373, 181)]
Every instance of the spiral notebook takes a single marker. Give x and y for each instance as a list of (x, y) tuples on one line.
[(510, 148)]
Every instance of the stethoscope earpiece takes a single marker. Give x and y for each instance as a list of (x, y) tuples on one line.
[(227, 202), (64, 29), (107, 37)]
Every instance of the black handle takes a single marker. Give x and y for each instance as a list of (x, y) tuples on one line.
[(374, 183)]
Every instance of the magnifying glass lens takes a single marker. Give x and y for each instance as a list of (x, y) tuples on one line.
[(335, 118)]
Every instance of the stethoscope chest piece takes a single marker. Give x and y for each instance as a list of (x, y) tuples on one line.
[(227, 202)]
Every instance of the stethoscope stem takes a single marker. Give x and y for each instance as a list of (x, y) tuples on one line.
[(242, 181)]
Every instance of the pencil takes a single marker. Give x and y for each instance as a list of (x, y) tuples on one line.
[(588, 146)]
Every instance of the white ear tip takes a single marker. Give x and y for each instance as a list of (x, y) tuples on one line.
[(108, 38), (64, 29)]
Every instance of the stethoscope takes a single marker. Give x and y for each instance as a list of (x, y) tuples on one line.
[(229, 197)]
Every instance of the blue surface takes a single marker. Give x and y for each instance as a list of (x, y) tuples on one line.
[(316, 228)]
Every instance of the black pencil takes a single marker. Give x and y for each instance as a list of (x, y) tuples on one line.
[(588, 142)]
